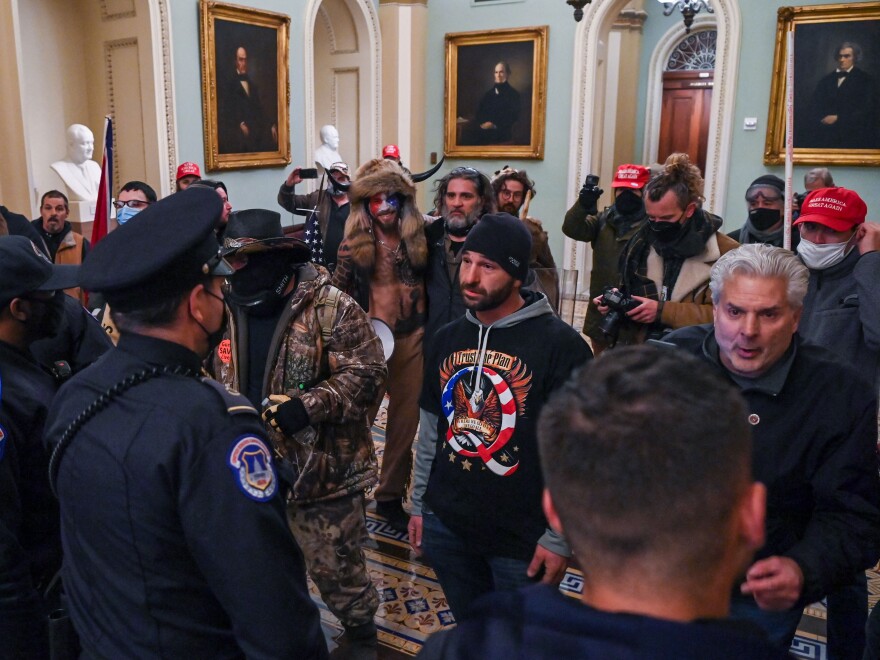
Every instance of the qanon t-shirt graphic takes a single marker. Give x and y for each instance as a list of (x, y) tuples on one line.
[(481, 404)]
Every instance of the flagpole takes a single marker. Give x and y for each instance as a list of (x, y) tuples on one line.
[(101, 224), (789, 137)]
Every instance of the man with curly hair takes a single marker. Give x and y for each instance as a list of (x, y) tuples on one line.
[(665, 265), (514, 191)]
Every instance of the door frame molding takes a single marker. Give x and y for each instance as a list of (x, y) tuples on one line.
[(373, 54), (654, 97)]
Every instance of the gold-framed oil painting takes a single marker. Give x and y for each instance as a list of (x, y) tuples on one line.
[(496, 93), (836, 99), (245, 86)]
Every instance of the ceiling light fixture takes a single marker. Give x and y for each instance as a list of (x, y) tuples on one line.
[(689, 9), (578, 8)]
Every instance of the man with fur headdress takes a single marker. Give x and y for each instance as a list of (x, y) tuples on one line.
[(381, 263)]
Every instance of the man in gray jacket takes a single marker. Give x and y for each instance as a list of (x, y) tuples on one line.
[(842, 313), (842, 251)]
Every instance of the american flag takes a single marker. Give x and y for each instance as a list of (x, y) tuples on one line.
[(314, 239), (105, 189)]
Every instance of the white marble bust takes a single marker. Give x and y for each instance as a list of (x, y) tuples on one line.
[(78, 171), (327, 153)]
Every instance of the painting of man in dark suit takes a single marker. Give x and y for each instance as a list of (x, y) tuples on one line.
[(502, 114), (844, 112), (498, 111), (837, 109), (246, 89)]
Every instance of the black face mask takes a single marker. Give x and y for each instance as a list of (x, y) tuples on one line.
[(763, 218), (665, 232), (263, 281), (628, 203), (214, 338)]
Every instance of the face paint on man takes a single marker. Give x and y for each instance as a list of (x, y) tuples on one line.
[(384, 209)]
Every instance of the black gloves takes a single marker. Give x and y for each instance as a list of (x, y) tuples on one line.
[(286, 415), (589, 196)]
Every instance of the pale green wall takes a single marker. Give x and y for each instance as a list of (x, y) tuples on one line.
[(251, 188), (752, 100), (254, 188), (551, 174)]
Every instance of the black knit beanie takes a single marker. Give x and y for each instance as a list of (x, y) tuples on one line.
[(769, 180), (504, 239)]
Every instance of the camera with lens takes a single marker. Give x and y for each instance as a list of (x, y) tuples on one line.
[(619, 304), (798, 199)]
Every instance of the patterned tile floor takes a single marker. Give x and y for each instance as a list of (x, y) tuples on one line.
[(413, 605)]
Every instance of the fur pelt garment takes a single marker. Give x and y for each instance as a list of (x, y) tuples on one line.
[(372, 178)]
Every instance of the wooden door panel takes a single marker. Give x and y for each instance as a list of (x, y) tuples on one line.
[(684, 119)]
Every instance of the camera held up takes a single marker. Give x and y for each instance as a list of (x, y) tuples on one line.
[(590, 192)]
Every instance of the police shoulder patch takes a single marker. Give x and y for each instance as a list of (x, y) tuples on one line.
[(236, 403), (2, 442), (251, 464)]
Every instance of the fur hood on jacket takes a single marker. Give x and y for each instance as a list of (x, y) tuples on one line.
[(372, 178)]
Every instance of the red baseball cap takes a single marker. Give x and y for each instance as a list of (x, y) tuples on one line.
[(188, 169), (391, 151), (631, 176), (839, 209)]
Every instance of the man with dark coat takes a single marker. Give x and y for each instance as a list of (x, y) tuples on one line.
[(661, 547), (200, 561), (765, 200), (814, 423), (31, 306), (607, 233)]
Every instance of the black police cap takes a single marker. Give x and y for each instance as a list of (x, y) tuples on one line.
[(24, 269), (164, 250)]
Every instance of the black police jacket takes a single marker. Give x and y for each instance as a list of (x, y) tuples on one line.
[(174, 529), (30, 547), (815, 451)]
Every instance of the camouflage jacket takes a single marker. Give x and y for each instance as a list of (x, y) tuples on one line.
[(338, 381)]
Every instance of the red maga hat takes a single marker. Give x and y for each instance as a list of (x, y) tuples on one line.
[(837, 208), (188, 169), (631, 176)]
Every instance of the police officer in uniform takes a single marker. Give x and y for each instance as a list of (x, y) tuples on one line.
[(175, 539), (31, 304)]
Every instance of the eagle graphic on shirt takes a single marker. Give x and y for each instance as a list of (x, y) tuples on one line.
[(482, 404)]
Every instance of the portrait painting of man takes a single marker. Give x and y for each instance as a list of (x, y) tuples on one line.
[(496, 110), (245, 86), (495, 83), (247, 91), (837, 85)]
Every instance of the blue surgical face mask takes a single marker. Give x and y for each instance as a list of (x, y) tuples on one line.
[(125, 214)]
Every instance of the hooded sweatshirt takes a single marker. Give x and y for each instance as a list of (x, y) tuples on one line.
[(488, 384)]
